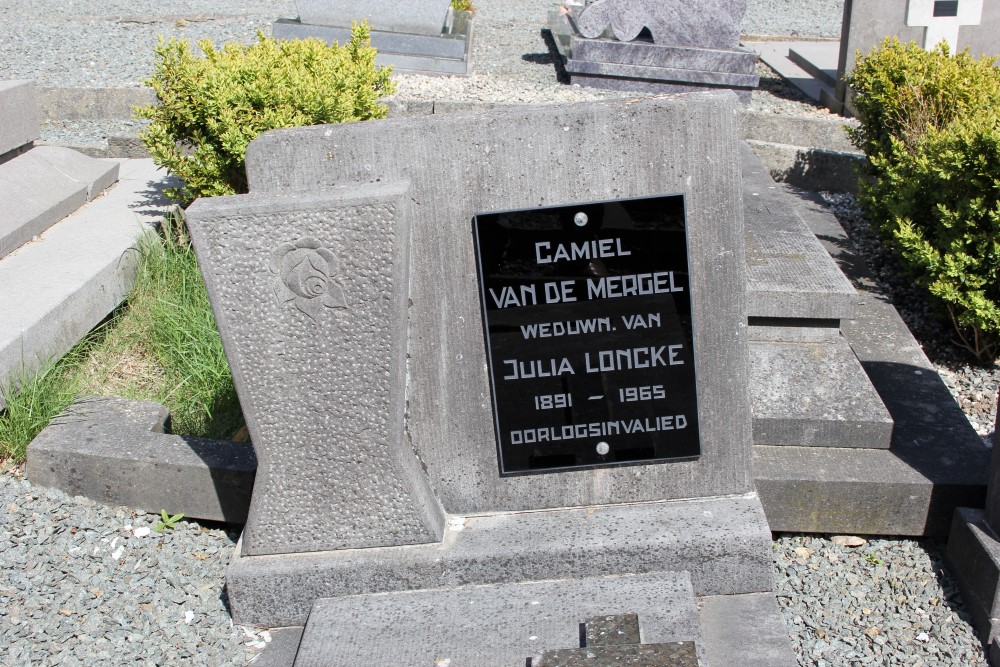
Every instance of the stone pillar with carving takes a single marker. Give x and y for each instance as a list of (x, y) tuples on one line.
[(655, 45)]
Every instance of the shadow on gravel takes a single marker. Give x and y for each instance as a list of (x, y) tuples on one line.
[(555, 58)]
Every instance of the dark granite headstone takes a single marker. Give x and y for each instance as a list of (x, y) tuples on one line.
[(655, 45)]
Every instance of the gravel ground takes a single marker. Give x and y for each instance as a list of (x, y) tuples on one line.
[(84, 584)]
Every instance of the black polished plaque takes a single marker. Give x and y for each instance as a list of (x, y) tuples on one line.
[(587, 313)]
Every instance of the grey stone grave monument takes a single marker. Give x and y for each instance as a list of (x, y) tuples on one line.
[(420, 36), (655, 45), (973, 556), (818, 68), (495, 371)]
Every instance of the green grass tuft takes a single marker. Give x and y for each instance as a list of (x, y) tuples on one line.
[(162, 346)]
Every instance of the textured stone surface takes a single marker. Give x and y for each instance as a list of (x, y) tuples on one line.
[(993, 493), (43, 186), (423, 17), (732, 61), (309, 292), (812, 169), (673, 654), (18, 115), (448, 52), (712, 23), (56, 291), (612, 630), (661, 74), (723, 543), (103, 439), (789, 274), (936, 463), (745, 630), (818, 133), (436, 46), (807, 388), (463, 164), (973, 557), (491, 625), (644, 66)]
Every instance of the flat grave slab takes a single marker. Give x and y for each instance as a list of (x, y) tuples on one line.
[(501, 624), (789, 273), (809, 389)]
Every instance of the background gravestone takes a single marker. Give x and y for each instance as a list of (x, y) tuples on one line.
[(655, 45), (818, 68), (421, 36)]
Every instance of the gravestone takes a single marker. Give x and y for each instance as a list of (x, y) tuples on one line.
[(973, 556), (654, 45), (422, 36), (494, 350), (818, 68)]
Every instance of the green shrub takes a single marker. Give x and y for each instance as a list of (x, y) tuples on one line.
[(210, 108), (930, 126)]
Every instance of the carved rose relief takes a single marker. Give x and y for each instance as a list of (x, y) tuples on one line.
[(305, 277)]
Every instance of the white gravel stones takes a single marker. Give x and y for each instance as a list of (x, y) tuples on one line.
[(889, 602), (85, 584)]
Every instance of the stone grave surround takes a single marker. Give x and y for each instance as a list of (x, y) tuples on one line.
[(365, 383), (973, 556), (422, 36), (690, 45)]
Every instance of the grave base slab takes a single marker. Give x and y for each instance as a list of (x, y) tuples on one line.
[(643, 66), (746, 630), (496, 624), (724, 543)]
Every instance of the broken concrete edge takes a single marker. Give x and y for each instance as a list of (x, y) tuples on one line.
[(115, 451)]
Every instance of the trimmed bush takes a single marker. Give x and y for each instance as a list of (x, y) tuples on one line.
[(930, 126), (209, 108)]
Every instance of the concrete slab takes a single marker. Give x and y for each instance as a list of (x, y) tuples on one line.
[(777, 56), (502, 624), (809, 168), (818, 59), (101, 439), (936, 463), (446, 52), (789, 274), (422, 17), (723, 543), (43, 186), (281, 650), (808, 389), (973, 558), (53, 291), (18, 115), (745, 630)]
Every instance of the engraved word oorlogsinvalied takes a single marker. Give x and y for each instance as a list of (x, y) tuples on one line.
[(305, 277)]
